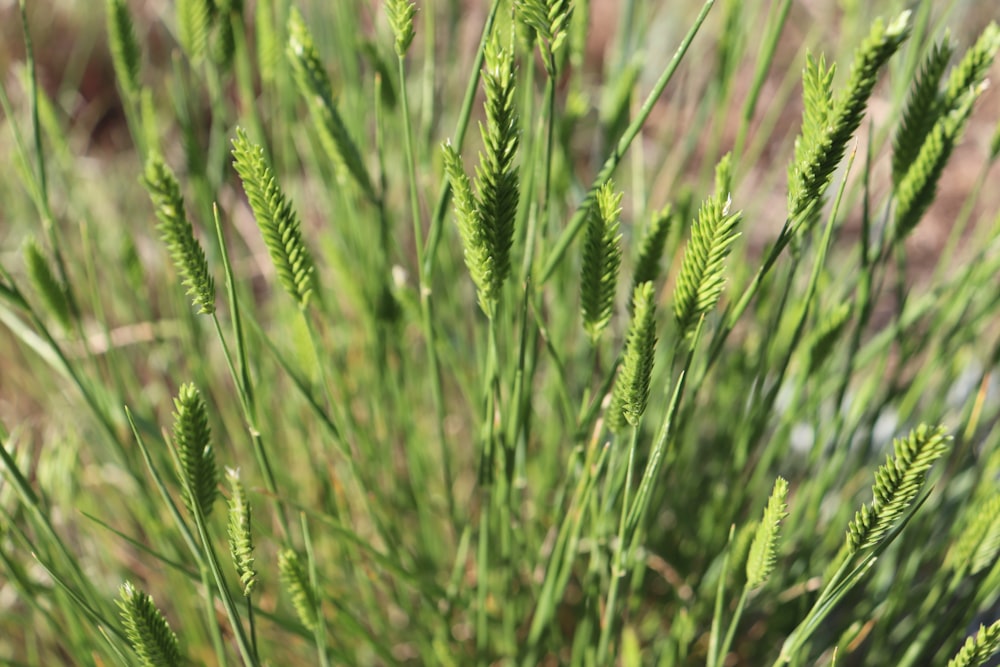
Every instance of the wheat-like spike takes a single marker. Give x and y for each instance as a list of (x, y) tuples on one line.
[(819, 155), (897, 484), (654, 239), (278, 222), (124, 47), (178, 234), (496, 175), (701, 277), (923, 109), (763, 549), (314, 85), (193, 440), (631, 391), (826, 335), (49, 287), (817, 105), (147, 630), (240, 538), (977, 546), (917, 190), (300, 590), (194, 20), (602, 257), (549, 19), (979, 649), (400, 13), (971, 71), (474, 241)]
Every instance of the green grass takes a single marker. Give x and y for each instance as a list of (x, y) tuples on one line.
[(300, 368)]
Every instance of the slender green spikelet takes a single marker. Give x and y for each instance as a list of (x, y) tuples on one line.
[(701, 277), (979, 649), (268, 43), (971, 71), (240, 538), (549, 19), (278, 222), (196, 458), (631, 391), (822, 144), (897, 484), (124, 47), (763, 549), (978, 544), (223, 38), (299, 588), (647, 265), (602, 257), (314, 85), (194, 21), (486, 220), (400, 13), (922, 110), (918, 189), (147, 631), (49, 287), (178, 234), (827, 334)]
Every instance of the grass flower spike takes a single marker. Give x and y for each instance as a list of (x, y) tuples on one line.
[(299, 588), (602, 257), (148, 632), (240, 539), (647, 264), (631, 391), (48, 286), (276, 218), (193, 441), (124, 47), (897, 484), (178, 234), (760, 560), (979, 649), (486, 219), (401, 19), (701, 277)]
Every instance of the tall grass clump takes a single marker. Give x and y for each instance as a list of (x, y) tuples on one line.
[(686, 356)]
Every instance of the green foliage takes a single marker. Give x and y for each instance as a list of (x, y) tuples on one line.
[(602, 256), (148, 632), (278, 222), (178, 234), (418, 484), (193, 442)]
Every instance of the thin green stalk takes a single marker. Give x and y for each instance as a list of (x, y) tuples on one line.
[(423, 284), (618, 567)]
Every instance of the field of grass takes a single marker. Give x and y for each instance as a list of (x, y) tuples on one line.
[(499, 332)]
